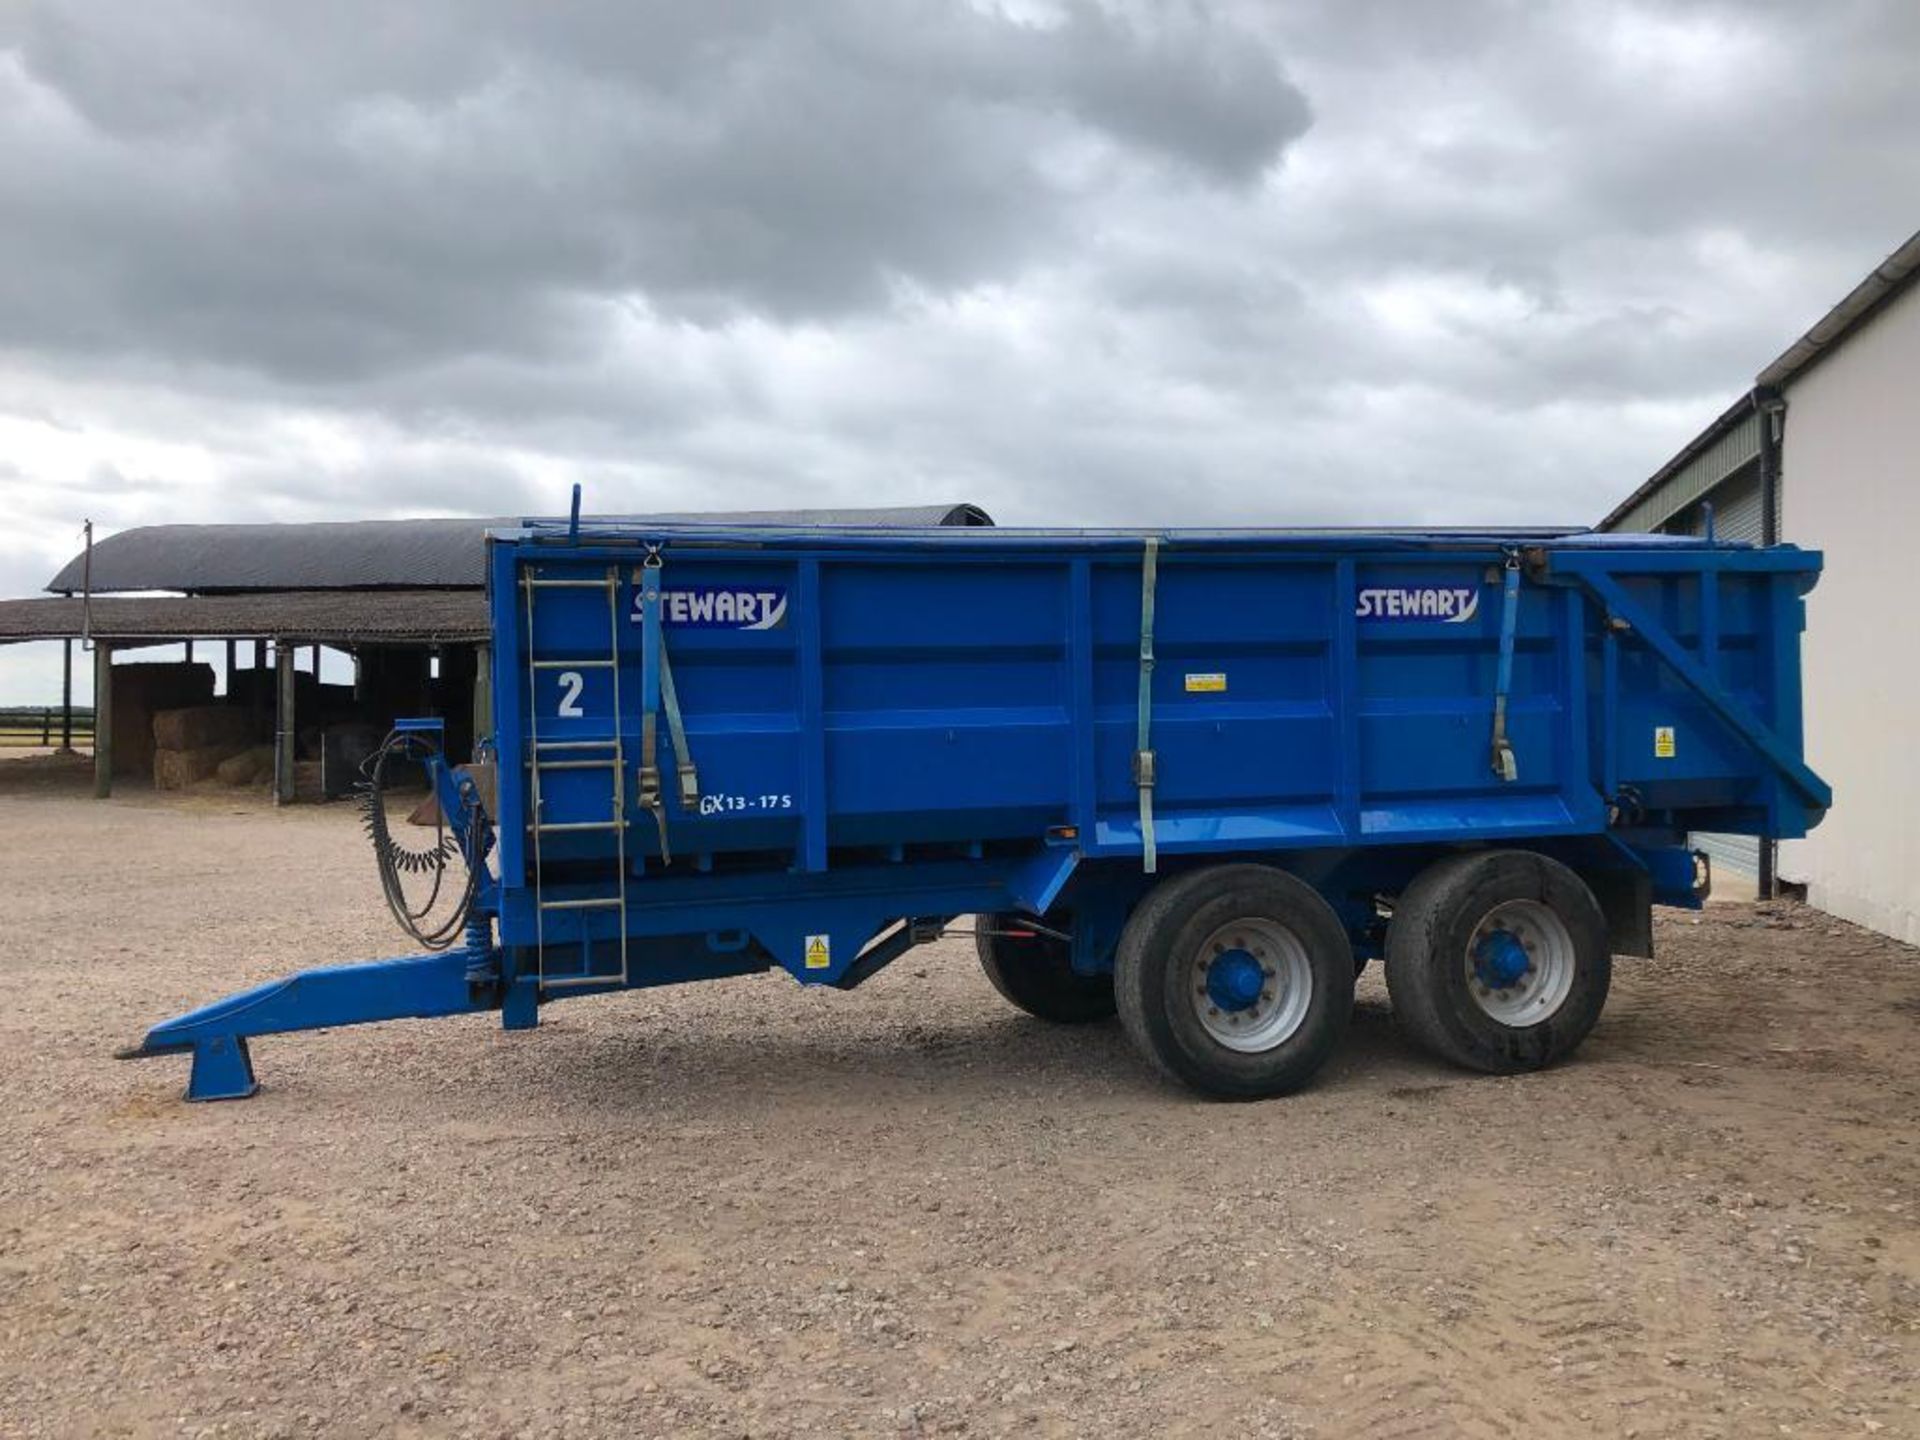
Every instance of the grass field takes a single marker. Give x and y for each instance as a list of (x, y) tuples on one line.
[(37, 725)]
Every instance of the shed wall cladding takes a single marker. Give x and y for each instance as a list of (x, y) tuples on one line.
[(1738, 448), (1851, 492)]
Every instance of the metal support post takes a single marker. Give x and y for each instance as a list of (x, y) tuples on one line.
[(482, 694), (102, 720), (283, 724), (66, 697)]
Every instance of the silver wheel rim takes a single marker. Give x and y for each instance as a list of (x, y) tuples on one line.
[(1261, 1021), (1520, 963)]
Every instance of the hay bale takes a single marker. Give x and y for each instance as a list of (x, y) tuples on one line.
[(306, 781), (177, 769), (199, 726), (486, 779), (252, 764), (141, 689)]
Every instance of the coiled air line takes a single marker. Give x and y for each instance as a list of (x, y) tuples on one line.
[(394, 860)]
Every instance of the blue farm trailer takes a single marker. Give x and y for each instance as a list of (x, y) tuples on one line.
[(1197, 778)]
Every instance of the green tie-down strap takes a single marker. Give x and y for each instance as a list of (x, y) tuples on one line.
[(657, 688), (1143, 763), (1505, 764), (653, 652), (670, 702)]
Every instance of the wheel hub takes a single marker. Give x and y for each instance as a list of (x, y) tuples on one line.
[(1235, 980), (1520, 963), (1251, 984), (1500, 960)]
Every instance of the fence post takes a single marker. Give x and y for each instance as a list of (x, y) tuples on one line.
[(66, 696), (46, 726)]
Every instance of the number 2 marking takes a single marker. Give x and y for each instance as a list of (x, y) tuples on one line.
[(571, 684)]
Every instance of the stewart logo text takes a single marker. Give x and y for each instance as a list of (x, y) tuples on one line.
[(1449, 604), (718, 607)]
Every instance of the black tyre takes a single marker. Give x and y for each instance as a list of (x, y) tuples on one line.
[(1498, 960), (1235, 980), (1035, 972)]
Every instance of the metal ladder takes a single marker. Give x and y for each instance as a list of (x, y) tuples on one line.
[(549, 755)]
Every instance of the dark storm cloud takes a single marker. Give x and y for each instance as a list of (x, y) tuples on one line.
[(416, 480), (1083, 262), (327, 193), (1613, 169)]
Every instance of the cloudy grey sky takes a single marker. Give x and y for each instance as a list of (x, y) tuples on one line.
[(1080, 262)]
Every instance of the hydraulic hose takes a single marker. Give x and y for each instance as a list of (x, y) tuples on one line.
[(395, 860)]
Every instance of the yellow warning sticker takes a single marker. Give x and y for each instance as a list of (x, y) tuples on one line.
[(1663, 742), (819, 952), (1213, 682)]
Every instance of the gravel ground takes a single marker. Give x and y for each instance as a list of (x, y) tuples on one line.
[(746, 1209)]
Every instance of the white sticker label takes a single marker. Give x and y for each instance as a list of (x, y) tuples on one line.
[(749, 804), (819, 952), (1663, 742), (1448, 604)]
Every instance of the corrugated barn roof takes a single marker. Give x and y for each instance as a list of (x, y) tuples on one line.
[(358, 617), (376, 554)]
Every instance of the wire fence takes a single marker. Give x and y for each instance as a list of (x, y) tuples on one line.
[(24, 727)]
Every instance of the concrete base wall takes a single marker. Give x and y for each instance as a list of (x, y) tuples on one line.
[(1892, 919)]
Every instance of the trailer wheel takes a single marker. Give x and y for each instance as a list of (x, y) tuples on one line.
[(1498, 961), (1035, 973), (1236, 980)]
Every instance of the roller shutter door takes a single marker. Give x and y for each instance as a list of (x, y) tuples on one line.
[(1730, 854), (1737, 511)]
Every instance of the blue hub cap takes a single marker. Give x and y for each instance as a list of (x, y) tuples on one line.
[(1234, 980), (1500, 960)]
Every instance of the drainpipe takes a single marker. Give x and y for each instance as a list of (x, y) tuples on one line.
[(1772, 406)]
